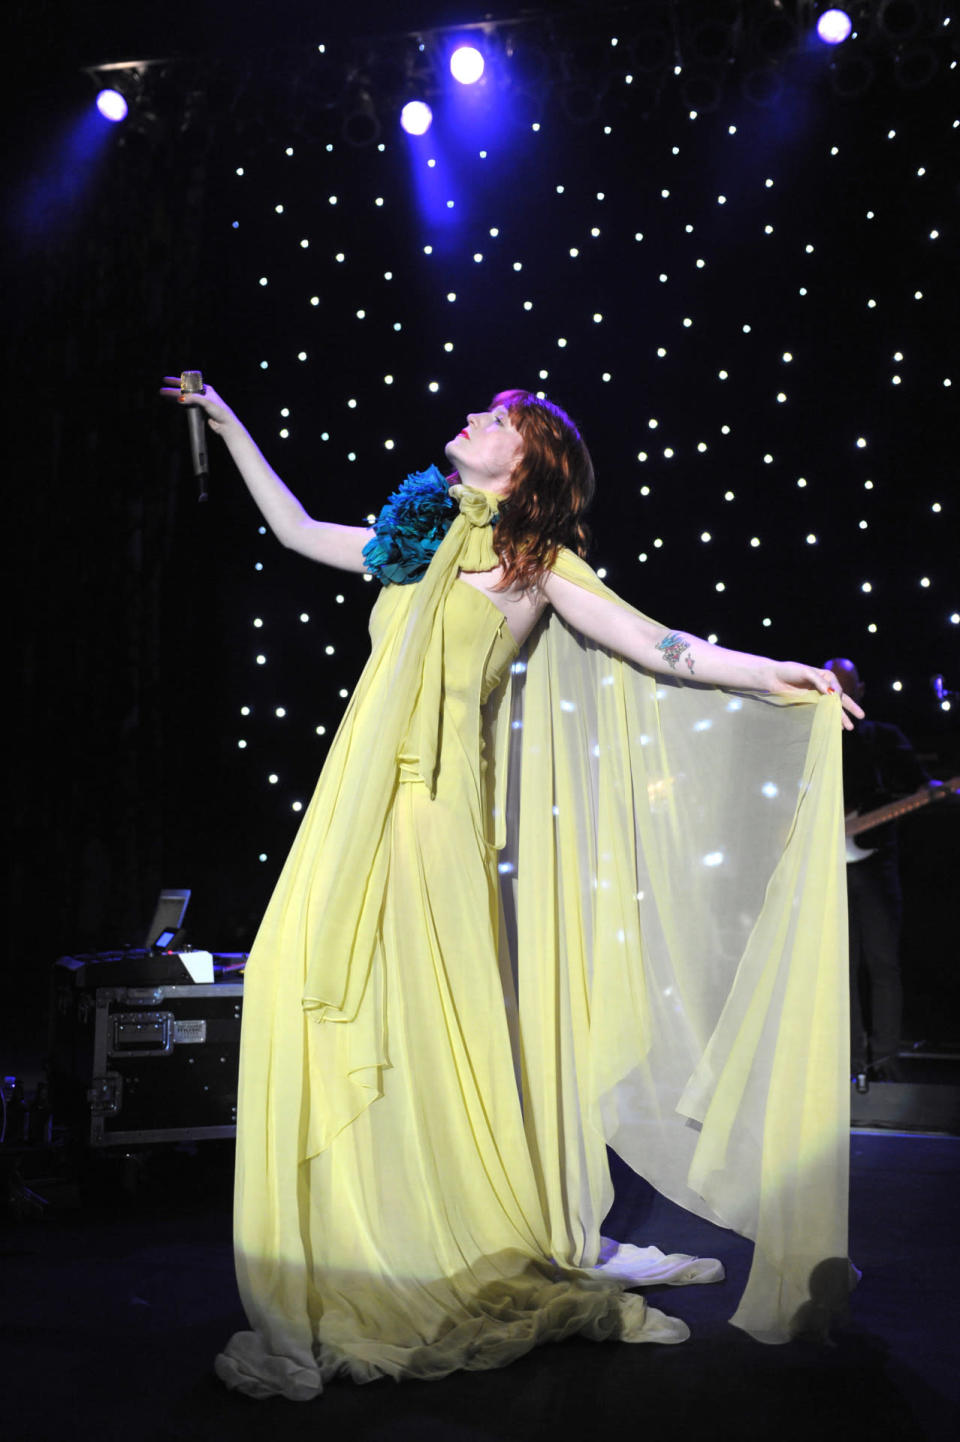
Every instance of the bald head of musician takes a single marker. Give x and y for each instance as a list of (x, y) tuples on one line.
[(848, 677)]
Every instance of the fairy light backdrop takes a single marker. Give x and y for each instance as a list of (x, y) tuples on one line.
[(752, 314)]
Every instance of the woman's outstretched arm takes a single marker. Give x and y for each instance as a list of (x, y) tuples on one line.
[(678, 653), (332, 545)]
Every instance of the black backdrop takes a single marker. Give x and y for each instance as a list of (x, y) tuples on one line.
[(131, 607)]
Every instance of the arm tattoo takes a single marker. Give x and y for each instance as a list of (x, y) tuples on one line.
[(673, 647)]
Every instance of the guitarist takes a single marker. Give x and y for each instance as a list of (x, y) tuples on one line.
[(879, 765)]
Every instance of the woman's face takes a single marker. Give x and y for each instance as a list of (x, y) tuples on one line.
[(486, 450)]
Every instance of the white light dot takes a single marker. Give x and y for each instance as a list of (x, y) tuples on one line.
[(280, 711)]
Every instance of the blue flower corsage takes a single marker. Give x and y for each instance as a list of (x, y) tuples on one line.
[(410, 528)]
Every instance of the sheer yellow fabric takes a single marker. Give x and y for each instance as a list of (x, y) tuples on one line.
[(664, 971), (680, 898)]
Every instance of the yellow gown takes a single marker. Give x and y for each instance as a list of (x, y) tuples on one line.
[(488, 956)]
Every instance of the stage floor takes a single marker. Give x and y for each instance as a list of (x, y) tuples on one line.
[(112, 1314)]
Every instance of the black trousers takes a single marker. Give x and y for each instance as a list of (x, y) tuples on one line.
[(876, 996)]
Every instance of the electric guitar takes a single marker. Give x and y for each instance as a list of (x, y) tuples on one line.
[(855, 823)]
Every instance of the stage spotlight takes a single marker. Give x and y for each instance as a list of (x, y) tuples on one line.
[(112, 105), (652, 50), (899, 20), (466, 64), (915, 66), (710, 42), (851, 76), (580, 101), (762, 88), (702, 92), (360, 123), (416, 117), (776, 35), (834, 26)]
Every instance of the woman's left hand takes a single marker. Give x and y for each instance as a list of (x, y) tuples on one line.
[(787, 676)]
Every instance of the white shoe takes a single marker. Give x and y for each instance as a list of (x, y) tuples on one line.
[(648, 1266), (640, 1323)]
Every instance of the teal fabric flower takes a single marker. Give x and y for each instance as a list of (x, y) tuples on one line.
[(409, 529)]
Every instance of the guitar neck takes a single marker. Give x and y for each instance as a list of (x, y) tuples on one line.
[(893, 809)]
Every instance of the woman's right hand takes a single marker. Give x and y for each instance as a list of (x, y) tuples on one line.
[(218, 412)]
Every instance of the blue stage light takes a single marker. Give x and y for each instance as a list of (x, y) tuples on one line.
[(834, 26), (466, 64), (112, 105), (416, 117)]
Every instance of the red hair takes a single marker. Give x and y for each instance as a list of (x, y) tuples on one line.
[(551, 487)]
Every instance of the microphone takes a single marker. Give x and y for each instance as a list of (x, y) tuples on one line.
[(191, 383)]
